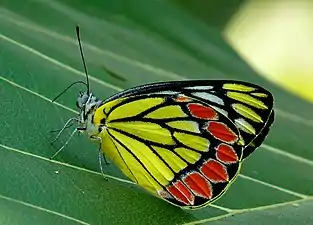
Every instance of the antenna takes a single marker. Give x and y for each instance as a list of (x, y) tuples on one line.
[(83, 59), (76, 82), (85, 68)]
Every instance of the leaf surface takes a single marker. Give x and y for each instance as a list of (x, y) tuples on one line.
[(141, 43)]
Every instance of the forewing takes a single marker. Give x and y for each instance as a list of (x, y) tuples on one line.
[(248, 106)]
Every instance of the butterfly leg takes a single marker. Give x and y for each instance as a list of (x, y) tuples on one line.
[(67, 141), (68, 124), (101, 155)]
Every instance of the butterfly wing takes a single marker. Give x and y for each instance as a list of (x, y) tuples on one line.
[(180, 149), (248, 106)]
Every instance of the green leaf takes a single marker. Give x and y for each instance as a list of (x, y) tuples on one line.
[(141, 43)]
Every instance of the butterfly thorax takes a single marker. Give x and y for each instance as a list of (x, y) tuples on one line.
[(88, 104)]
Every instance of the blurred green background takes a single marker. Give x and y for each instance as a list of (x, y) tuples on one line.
[(146, 41)]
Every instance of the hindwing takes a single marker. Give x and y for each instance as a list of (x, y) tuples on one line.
[(180, 149)]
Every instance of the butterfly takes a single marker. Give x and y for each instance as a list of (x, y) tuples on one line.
[(182, 141)]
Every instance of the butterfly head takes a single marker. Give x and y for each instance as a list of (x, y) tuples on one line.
[(86, 103), (82, 99)]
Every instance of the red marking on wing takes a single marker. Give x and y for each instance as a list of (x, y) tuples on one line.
[(183, 99), (181, 193), (214, 171), (202, 112), (226, 154), (199, 185), (222, 132)]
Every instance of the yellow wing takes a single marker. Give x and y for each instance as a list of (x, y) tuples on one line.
[(180, 149)]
